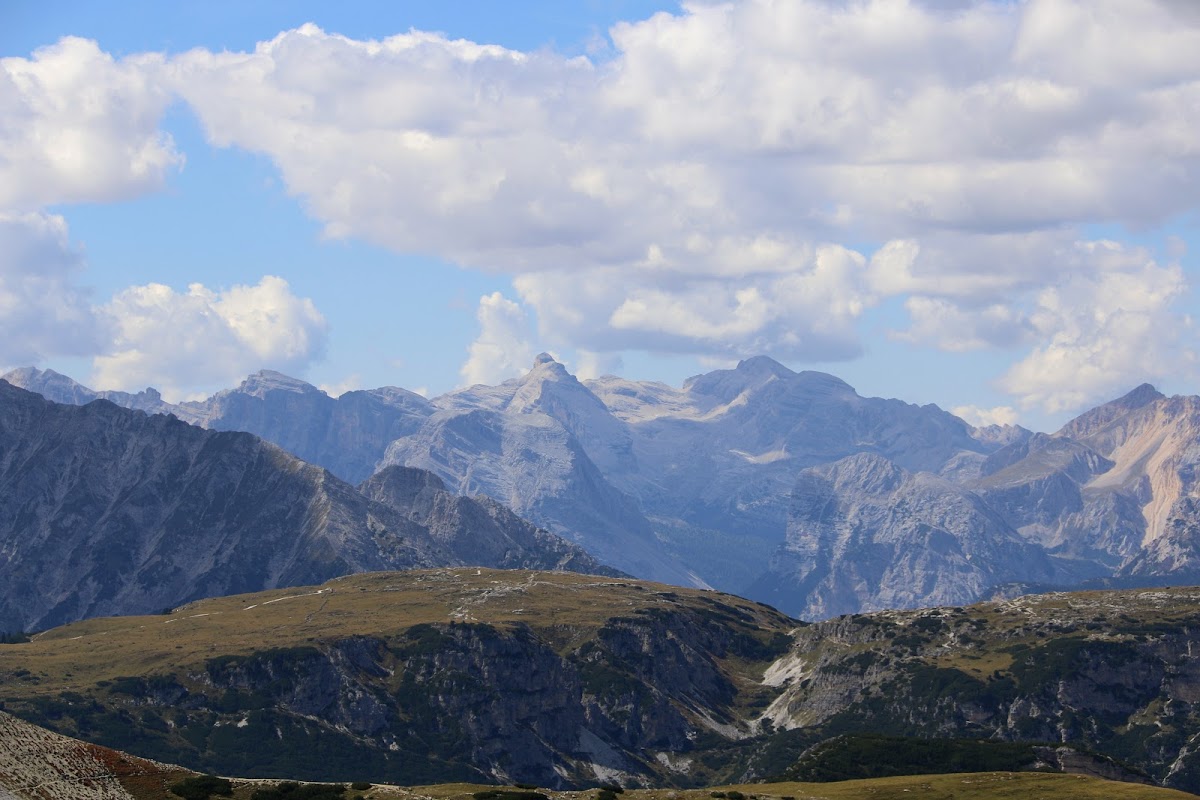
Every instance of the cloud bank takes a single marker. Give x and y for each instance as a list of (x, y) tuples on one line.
[(733, 178)]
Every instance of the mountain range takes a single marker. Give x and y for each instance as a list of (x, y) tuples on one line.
[(783, 486), (105, 510)]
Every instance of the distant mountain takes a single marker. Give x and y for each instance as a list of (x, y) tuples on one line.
[(1114, 492), (536, 444), (705, 484), (865, 534), (347, 435), (104, 510)]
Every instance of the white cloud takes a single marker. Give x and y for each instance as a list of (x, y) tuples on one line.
[(677, 196), (982, 417), (78, 125), (502, 350), (734, 178), (1104, 331), (951, 327), (589, 365), (43, 312), (201, 338), (348, 384)]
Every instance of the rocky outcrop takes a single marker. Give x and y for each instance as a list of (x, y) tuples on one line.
[(36, 764), (1108, 671), (109, 511), (865, 534)]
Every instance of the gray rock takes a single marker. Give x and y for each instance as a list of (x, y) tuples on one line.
[(104, 510)]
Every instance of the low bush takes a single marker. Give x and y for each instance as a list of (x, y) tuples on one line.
[(202, 787)]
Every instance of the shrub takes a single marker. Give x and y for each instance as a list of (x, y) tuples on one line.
[(290, 790), (360, 786), (201, 787)]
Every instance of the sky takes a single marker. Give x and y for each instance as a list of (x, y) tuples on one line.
[(991, 206)]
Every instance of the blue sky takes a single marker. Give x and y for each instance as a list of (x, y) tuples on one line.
[(950, 203)]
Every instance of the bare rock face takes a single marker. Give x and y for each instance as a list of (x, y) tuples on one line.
[(475, 530), (865, 534), (346, 435), (109, 511), (1106, 670), (534, 444), (36, 764)]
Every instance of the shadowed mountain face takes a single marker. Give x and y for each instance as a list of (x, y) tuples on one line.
[(109, 511), (711, 484)]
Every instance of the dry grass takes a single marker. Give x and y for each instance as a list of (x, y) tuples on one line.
[(976, 786), (565, 608)]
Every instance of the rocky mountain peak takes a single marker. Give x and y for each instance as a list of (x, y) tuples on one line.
[(548, 385), (50, 384), (545, 359), (763, 365), (754, 374), (1093, 421), (267, 380)]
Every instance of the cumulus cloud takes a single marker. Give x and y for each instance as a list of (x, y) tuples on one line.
[(182, 341), (1103, 331), (43, 311), (78, 125), (502, 350), (734, 178), (589, 365)]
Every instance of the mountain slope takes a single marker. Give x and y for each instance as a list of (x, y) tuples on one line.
[(865, 534), (347, 435), (36, 764), (421, 676), (1108, 671), (105, 510), (529, 444)]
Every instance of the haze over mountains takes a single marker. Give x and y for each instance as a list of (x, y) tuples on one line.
[(784, 486)]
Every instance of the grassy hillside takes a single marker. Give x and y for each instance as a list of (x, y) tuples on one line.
[(974, 786), (564, 607), (414, 676)]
